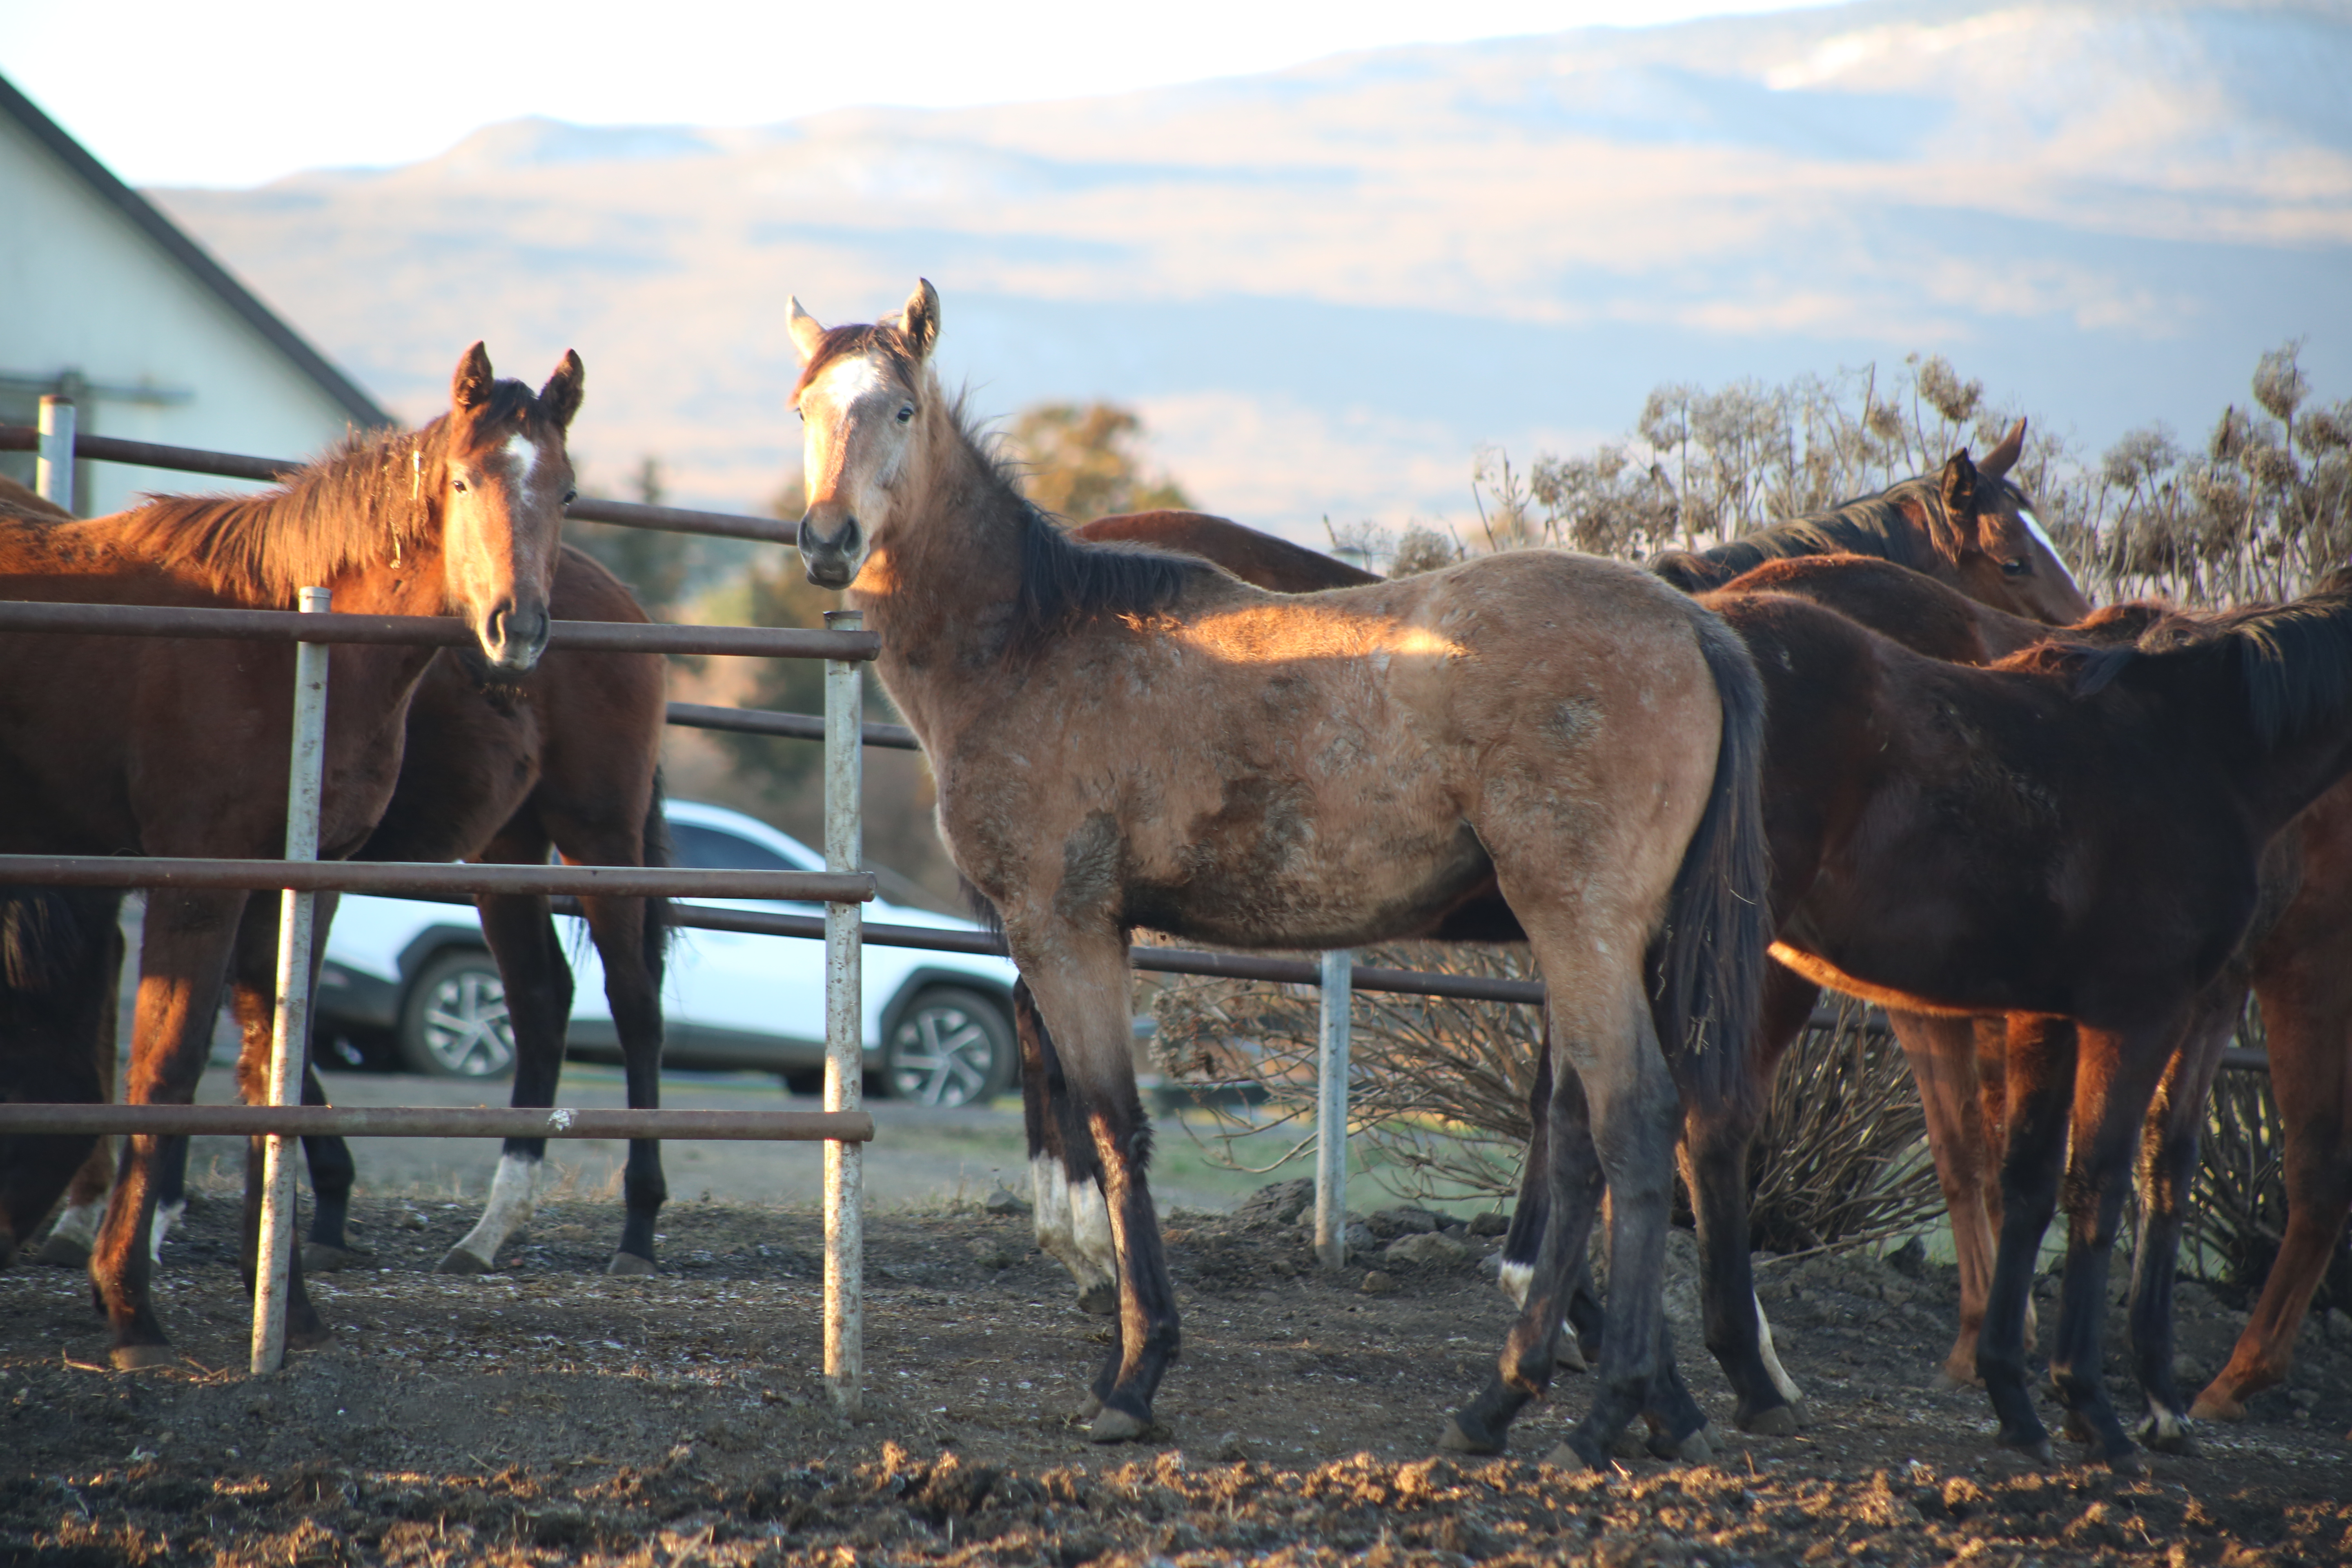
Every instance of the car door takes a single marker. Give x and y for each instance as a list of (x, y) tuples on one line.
[(735, 984)]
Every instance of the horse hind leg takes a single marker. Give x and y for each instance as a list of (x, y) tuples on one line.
[(628, 936), (2168, 1165), (1071, 1220), (1942, 1052)]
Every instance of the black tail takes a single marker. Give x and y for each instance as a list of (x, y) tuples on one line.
[(655, 852), (1707, 966)]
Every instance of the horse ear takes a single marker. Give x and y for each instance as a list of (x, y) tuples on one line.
[(470, 387), (807, 331), (919, 323), (559, 398), (1956, 488), (2003, 457)]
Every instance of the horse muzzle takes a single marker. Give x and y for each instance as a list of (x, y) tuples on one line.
[(512, 638), (832, 563)]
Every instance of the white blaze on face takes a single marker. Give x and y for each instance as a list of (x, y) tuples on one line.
[(2033, 527), (524, 455)]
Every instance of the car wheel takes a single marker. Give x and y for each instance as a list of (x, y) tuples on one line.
[(951, 1047), (455, 1023)]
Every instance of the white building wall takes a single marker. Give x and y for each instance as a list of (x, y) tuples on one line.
[(83, 289)]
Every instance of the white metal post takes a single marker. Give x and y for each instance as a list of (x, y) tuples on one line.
[(1331, 1110), (53, 468), (290, 1025), (845, 1032)]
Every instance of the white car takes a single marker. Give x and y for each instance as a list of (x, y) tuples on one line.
[(938, 1026)]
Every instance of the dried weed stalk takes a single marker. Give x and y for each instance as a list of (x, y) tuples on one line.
[(1438, 1096)]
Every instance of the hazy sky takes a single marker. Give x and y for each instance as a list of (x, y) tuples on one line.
[(169, 93)]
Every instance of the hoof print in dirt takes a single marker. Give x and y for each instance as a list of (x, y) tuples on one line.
[(457, 1260), (629, 1266)]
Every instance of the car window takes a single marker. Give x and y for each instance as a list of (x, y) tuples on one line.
[(711, 849)]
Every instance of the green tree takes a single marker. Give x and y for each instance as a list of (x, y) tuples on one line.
[(1081, 461)]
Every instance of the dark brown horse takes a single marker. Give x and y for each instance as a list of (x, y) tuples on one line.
[(154, 746), (1128, 738), (1966, 526), (59, 952)]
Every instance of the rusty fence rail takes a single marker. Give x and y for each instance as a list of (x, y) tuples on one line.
[(233, 466)]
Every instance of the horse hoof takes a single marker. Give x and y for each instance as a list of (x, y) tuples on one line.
[(2168, 1435), (628, 1265), (1567, 1458), (325, 1258), (2077, 1430), (1091, 1408), (1116, 1426), (1947, 1379), (63, 1252), (309, 1336), (2128, 1461), (1099, 1300), (2215, 1405), (1693, 1449), (1570, 1357), (139, 1358), (457, 1260), (1779, 1421), (2036, 1447), (1454, 1440)]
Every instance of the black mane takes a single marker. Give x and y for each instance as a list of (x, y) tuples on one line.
[(2294, 661)]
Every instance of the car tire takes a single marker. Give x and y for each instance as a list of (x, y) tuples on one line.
[(453, 1021), (949, 1046)]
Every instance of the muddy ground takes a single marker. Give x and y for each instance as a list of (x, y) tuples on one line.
[(551, 1415)]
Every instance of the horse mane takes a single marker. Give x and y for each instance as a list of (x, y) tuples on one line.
[(2293, 661), (1066, 581), (1878, 525), (361, 503)]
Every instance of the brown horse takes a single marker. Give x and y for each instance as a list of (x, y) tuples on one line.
[(1966, 526), (2292, 961), (157, 746), (1126, 738)]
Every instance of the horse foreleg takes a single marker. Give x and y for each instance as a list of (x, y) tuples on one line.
[(1714, 1157), (1071, 1221), (1942, 1052), (2039, 1082), (2168, 1165), (2115, 1081), (2306, 1001), (184, 958), (1084, 998), (628, 936), (521, 934)]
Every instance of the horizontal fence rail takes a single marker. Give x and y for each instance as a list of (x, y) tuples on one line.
[(397, 877), (427, 1121), (791, 726), (233, 466), (427, 631)]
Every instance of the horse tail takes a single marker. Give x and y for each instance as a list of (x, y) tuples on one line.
[(654, 850), (1706, 965)]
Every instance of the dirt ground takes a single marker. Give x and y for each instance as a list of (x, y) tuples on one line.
[(551, 1415)]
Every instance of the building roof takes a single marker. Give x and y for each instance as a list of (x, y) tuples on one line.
[(145, 215)]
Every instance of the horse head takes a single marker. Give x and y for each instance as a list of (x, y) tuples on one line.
[(1985, 530), (860, 390), (504, 481)]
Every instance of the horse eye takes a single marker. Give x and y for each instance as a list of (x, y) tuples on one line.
[(905, 413), (458, 485), (571, 496), (2013, 567)]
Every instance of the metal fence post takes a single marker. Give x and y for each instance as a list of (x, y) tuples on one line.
[(1331, 1110), (290, 1027), (53, 468), (844, 1030)]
